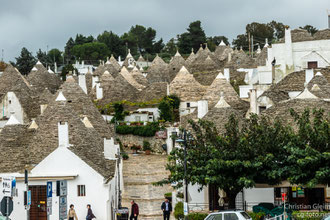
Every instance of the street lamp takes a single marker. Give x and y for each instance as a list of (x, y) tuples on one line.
[(184, 142)]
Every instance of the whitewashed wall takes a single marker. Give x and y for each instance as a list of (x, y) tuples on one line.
[(14, 106)]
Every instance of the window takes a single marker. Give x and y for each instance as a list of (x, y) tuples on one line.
[(312, 65), (262, 108), (9, 102), (81, 190), (245, 215), (188, 104), (230, 216), (215, 217), (137, 118)]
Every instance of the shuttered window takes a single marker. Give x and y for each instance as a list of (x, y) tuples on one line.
[(81, 190)]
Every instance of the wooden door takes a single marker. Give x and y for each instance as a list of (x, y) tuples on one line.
[(38, 210), (213, 197)]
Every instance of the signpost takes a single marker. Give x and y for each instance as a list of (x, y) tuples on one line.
[(49, 198), (7, 206), (7, 186), (63, 200)]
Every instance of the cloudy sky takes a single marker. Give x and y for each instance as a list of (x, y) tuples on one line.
[(37, 23)]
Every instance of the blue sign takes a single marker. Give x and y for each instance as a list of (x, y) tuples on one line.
[(29, 197), (49, 189)]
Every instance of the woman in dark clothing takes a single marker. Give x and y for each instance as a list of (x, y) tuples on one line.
[(134, 211), (90, 214)]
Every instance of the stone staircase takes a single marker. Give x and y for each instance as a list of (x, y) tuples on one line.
[(139, 172)]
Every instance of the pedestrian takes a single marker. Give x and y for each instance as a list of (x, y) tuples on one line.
[(72, 213), (167, 209), (134, 211), (90, 214)]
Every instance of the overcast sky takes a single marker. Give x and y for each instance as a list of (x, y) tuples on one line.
[(37, 23)]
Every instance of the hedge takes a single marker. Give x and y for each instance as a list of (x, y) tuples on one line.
[(148, 130)]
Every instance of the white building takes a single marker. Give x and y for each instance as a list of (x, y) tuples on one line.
[(61, 145)]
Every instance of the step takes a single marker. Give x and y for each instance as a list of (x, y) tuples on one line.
[(146, 191)]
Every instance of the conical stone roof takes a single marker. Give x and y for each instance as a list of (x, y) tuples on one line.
[(84, 107), (319, 86), (115, 63), (175, 65), (158, 71), (138, 76), (130, 79), (186, 87), (221, 86), (41, 79)]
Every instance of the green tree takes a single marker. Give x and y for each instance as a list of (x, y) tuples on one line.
[(241, 41), (309, 150), (25, 61), (193, 38), (68, 54), (43, 57), (213, 42), (237, 159), (119, 112), (279, 29), (114, 43), (312, 30), (169, 108), (170, 47), (184, 43), (91, 52)]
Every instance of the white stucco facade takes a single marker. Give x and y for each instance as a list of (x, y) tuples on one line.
[(64, 164), (10, 104)]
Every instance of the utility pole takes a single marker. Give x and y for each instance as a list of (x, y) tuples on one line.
[(185, 173), (252, 45), (249, 43), (26, 180), (2, 51)]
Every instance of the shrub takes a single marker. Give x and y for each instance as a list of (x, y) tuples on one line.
[(146, 145), (197, 216), (178, 211), (180, 195), (148, 130), (257, 216), (169, 194)]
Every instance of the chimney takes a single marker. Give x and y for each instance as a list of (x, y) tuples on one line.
[(253, 101), (42, 108), (55, 68), (288, 48), (227, 74), (82, 82), (109, 148), (83, 63), (202, 108), (309, 74), (229, 57), (168, 89), (99, 91), (63, 134), (95, 79)]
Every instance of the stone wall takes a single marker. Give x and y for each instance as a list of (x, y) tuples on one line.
[(156, 144)]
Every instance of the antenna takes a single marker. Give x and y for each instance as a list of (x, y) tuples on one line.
[(2, 52), (328, 11)]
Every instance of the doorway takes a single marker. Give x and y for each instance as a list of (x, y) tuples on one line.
[(38, 209), (214, 197)]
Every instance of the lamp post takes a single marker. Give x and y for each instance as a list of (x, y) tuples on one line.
[(184, 142)]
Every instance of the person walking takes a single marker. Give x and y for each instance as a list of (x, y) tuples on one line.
[(90, 214), (134, 211), (72, 213), (167, 209)]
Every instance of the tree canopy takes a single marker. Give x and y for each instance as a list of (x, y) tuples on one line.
[(311, 29), (25, 62), (256, 151)]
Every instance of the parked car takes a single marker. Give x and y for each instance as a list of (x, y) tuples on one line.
[(229, 215), (326, 217)]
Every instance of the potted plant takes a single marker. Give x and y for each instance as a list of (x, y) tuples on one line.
[(125, 156), (135, 148), (146, 147)]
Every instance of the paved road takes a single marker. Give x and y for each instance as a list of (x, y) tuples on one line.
[(140, 171)]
